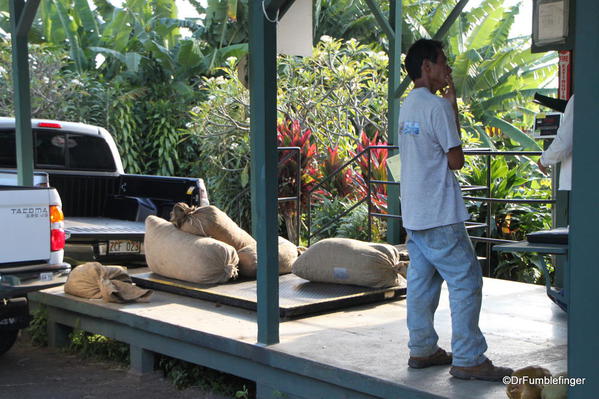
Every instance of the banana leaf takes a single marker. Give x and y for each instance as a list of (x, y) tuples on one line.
[(526, 142)]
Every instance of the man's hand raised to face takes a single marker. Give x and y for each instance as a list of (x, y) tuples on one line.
[(448, 92)]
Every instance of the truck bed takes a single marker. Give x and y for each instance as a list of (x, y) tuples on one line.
[(99, 228)]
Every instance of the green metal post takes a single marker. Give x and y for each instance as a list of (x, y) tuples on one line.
[(392, 29), (581, 276), (263, 128), (21, 16), (386, 25), (394, 225)]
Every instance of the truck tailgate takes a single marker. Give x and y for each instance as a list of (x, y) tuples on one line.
[(24, 212), (97, 228)]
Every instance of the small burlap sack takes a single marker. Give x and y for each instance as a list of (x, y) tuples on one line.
[(248, 258), (209, 221), (404, 260), (176, 254), (348, 261), (524, 389), (93, 280)]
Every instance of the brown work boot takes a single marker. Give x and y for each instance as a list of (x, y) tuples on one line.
[(439, 358), (484, 371)]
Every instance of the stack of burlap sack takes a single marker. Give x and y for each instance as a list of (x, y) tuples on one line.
[(203, 245)]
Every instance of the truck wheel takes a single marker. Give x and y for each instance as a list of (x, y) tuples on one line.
[(7, 340)]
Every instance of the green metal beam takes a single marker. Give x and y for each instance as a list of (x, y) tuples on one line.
[(263, 136), (395, 10), (581, 276), (26, 18), (21, 17), (451, 18), (380, 17)]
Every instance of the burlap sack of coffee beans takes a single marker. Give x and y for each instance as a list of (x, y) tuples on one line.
[(93, 280), (348, 261), (248, 258), (209, 221), (176, 254)]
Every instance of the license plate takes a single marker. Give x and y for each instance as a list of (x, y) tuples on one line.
[(124, 247)]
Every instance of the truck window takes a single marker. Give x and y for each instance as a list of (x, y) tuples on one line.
[(49, 149), (8, 149), (60, 150), (89, 153)]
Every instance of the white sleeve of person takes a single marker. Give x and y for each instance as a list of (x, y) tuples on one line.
[(561, 147), (444, 126)]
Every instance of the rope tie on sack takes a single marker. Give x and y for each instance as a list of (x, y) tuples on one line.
[(183, 213)]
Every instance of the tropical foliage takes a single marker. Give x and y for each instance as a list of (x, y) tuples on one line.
[(496, 76), (350, 76)]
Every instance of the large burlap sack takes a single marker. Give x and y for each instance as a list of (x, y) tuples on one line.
[(248, 258), (209, 221), (559, 390), (404, 260), (523, 389), (93, 280), (176, 254), (348, 261)]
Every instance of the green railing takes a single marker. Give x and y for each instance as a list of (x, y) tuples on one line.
[(486, 199)]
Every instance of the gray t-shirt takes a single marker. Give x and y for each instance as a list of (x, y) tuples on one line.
[(430, 194)]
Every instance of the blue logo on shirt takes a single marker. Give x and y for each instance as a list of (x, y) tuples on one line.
[(410, 127)]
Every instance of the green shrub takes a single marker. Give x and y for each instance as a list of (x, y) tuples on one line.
[(325, 216), (355, 225), (98, 347), (184, 375), (38, 327), (337, 93)]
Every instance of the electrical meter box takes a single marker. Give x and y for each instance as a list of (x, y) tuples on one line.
[(546, 124)]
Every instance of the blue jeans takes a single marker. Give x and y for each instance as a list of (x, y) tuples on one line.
[(437, 254)]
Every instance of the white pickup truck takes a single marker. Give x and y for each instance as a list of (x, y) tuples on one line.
[(31, 252), (105, 207)]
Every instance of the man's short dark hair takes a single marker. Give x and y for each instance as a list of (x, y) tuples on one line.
[(422, 49)]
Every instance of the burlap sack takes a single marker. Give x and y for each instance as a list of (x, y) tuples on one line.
[(111, 283), (248, 258), (209, 221), (556, 391), (403, 252), (404, 259), (176, 254), (524, 389), (348, 261)]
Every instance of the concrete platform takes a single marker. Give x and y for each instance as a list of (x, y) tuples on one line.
[(355, 353)]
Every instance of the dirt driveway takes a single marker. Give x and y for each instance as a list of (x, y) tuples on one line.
[(32, 372)]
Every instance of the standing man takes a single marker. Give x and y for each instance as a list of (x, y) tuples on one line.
[(433, 214)]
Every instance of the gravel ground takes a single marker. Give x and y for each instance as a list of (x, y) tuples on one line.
[(32, 372)]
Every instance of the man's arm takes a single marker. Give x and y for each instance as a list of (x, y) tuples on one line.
[(455, 158), (449, 94), (455, 155)]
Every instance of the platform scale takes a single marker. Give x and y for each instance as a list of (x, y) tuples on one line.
[(297, 297)]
